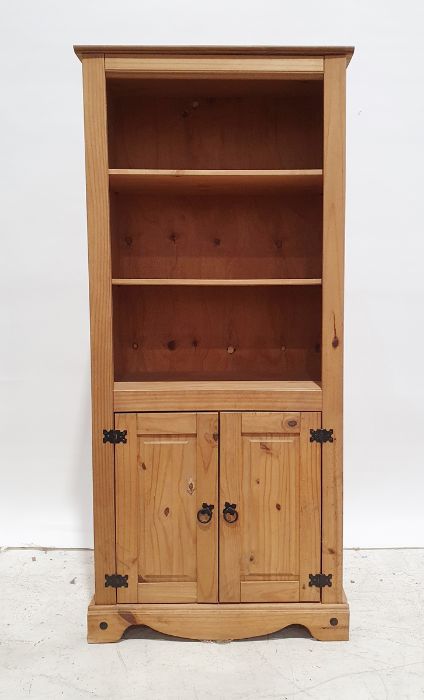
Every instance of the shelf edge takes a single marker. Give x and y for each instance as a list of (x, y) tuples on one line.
[(168, 282)]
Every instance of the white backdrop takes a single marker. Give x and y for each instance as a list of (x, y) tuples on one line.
[(45, 494)]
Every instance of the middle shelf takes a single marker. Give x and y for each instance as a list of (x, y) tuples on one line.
[(268, 282), (214, 180)]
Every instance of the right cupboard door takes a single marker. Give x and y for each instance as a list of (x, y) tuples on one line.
[(270, 507)]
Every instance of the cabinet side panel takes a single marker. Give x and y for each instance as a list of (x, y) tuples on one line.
[(332, 329), (100, 322)]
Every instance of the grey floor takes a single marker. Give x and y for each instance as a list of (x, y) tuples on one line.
[(43, 652)]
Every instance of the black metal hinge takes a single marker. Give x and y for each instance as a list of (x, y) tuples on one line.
[(116, 581), (321, 435), (320, 580), (114, 436)]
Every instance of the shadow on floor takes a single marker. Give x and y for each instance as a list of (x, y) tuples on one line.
[(141, 632)]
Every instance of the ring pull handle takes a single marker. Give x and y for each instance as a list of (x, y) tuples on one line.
[(230, 513), (204, 515)]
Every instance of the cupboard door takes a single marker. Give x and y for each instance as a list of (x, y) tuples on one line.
[(270, 476), (165, 472)]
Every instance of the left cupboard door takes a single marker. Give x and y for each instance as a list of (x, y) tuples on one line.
[(166, 507)]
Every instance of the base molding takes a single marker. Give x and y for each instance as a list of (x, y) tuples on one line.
[(221, 621)]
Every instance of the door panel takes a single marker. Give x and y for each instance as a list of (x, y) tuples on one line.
[(167, 516), (271, 471), (269, 503), (165, 471)]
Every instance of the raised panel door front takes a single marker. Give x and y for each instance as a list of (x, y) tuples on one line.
[(270, 472), (165, 473)]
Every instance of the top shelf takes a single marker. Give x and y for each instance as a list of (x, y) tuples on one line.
[(214, 180)]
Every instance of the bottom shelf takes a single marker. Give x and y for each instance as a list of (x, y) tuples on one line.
[(218, 396)]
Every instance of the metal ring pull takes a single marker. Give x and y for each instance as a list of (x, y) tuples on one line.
[(204, 515), (230, 513)]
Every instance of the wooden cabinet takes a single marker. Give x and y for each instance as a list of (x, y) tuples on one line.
[(215, 209), (170, 524)]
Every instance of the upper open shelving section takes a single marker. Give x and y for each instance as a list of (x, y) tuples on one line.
[(216, 230), (216, 186)]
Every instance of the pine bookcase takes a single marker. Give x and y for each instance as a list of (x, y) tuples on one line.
[(215, 207)]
